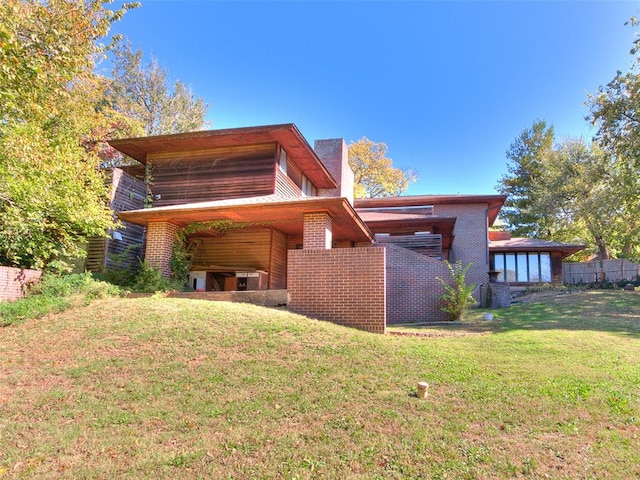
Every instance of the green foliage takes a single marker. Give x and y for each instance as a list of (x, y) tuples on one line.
[(52, 197), (125, 270), (179, 263), (151, 280), (526, 158), (457, 296), (374, 173), (55, 294), (572, 192)]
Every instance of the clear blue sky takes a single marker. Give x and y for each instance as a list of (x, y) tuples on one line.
[(447, 86)]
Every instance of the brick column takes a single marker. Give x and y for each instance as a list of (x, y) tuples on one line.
[(160, 238), (317, 232)]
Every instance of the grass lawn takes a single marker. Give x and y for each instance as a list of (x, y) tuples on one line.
[(174, 388)]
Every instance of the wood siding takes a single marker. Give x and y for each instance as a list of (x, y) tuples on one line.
[(215, 174), (127, 193), (285, 186), (278, 267), (428, 245), (247, 248)]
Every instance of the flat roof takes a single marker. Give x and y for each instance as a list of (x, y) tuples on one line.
[(285, 214), (494, 202), (521, 244)]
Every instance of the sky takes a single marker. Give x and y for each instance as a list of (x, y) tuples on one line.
[(447, 85)]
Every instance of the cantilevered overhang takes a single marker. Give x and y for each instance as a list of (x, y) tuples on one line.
[(400, 224), (494, 202), (533, 245), (285, 214), (298, 149)]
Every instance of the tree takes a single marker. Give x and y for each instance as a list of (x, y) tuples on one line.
[(374, 174), (52, 196), (526, 156), (141, 92), (577, 190), (615, 110)]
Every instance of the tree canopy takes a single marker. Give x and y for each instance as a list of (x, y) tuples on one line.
[(374, 173), (52, 196), (142, 92), (526, 156), (574, 190)]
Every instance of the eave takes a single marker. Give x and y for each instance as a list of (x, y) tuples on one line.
[(494, 202), (284, 214), (533, 245)]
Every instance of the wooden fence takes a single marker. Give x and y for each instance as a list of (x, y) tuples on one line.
[(600, 271)]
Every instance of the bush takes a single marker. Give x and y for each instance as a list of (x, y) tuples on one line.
[(457, 297), (151, 280), (55, 294)]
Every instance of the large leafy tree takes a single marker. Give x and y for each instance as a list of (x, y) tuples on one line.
[(52, 196), (526, 157), (374, 173), (142, 92), (615, 111)]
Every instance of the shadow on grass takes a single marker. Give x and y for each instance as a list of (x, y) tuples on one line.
[(597, 310), (600, 310)]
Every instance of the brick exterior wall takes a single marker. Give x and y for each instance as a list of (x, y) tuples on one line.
[(317, 231), (344, 285), (158, 251), (414, 294), (470, 243), (13, 282), (334, 154)]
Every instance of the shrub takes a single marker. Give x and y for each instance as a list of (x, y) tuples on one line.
[(54, 294), (457, 296), (151, 280)]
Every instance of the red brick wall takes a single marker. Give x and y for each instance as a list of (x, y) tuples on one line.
[(471, 243), (14, 280), (343, 285), (414, 294), (334, 154), (317, 230), (160, 238)]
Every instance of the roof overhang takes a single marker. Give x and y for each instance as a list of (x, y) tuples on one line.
[(298, 149), (533, 245), (406, 225), (494, 202), (284, 214)]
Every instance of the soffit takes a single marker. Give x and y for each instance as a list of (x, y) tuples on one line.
[(284, 214)]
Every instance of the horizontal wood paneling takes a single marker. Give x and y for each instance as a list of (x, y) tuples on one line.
[(247, 248), (278, 268), (428, 245), (215, 174), (285, 186), (127, 193)]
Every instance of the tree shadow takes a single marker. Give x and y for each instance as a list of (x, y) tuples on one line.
[(595, 310)]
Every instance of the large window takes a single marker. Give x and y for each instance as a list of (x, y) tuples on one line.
[(528, 267)]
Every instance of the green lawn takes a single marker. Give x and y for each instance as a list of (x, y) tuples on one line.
[(174, 388)]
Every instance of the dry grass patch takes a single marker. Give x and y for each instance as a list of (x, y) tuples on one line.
[(174, 388)]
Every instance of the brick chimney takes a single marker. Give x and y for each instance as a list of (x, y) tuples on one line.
[(334, 154)]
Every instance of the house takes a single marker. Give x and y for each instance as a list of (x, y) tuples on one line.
[(259, 209)]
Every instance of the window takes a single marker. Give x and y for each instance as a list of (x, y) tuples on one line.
[(282, 161), (530, 267), (308, 188)]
